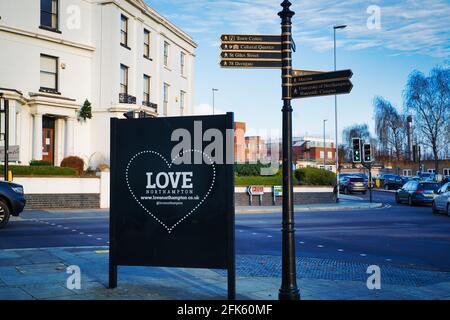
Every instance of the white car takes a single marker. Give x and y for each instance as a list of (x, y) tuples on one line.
[(441, 201)]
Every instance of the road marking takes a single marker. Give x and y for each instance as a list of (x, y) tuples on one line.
[(102, 251), (81, 233), (59, 226), (320, 246), (254, 234), (269, 237), (389, 260), (363, 255), (99, 239), (301, 242), (65, 228), (341, 250), (90, 235), (74, 230)]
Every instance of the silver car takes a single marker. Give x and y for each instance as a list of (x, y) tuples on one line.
[(441, 202)]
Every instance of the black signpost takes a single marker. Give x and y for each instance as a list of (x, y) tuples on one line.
[(171, 207), (266, 51), (289, 289)]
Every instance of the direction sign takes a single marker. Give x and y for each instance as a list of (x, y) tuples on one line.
[(263, 64), (251, 55), (330, 88), (251, 47), (251, 38), (323, 76)]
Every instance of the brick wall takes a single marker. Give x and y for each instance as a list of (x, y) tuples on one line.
[(300, 198), (62, 201)]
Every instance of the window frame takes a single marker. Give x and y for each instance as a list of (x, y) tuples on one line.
[(124, 18), (166, 54), (126, 85), (182, 102), (56, 74), (183, 60), (147, 38), (148, 88), (166, 94), (56, 14)]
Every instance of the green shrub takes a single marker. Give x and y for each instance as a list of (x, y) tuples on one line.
[(249, 170), (75, 163), (40, 163), (315, 177), (25, 171)]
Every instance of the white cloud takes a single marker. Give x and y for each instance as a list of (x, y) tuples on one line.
[(206, 109), (409, 26)]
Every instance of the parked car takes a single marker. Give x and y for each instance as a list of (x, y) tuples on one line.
[(12, 201), (352, 184), (417, 192), (441, 202), (426, 176), (391, 182)]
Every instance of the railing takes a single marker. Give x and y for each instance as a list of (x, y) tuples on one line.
[(150, 105), (126, 98)]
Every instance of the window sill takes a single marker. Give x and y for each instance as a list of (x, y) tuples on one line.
[(125, 46), (148, 58), (50, 29), (51, 91)]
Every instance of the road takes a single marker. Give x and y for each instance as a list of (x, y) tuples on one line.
[(395, 234)]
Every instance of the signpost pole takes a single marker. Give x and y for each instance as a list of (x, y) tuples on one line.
[(289, 289), (6, 104)]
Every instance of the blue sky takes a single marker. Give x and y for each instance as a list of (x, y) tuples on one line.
[(413, 35)]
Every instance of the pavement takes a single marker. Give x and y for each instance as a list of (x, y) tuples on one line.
[(334, 250), (42, 274)]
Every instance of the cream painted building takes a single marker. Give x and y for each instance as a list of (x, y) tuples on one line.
[(120, 55)]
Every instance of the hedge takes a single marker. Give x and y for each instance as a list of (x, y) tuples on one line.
[(249, 170), (40, 171), (315, 177)]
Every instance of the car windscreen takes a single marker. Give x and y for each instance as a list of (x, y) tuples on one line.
[(356, 179), (428, 186)]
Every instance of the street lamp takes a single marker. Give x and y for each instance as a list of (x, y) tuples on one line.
[(338, 27), (213, 93), (324, 145)]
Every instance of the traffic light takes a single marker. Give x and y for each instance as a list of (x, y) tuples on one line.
[(357, 150), (368, 153)]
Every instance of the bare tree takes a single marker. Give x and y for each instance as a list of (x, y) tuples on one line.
[(428, 100), (390, 128)]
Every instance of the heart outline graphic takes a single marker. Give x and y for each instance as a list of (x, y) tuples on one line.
[(169, 165)]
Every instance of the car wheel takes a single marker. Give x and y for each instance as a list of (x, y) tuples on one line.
[(4, 214), (386, 187), (448, 210), (434, 209), (397, 199)]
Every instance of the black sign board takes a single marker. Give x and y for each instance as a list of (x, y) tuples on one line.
[(308, 90), (250, 64), (251, 38), (251, 47), (324, 76), (172, 202), (251, 55)]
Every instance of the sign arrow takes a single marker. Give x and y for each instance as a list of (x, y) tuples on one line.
[(330, 88), (325, 76)]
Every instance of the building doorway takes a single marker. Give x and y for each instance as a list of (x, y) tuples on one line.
[(48, 139)]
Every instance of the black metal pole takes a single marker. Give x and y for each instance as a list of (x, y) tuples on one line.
[(370, 183), (6, 139), (289, 290)]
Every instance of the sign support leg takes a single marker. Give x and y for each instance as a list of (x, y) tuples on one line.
[(112, 276), (289, 290)]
